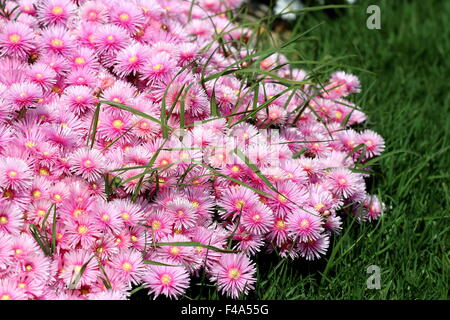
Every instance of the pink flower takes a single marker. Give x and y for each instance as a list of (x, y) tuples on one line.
[(89, 163), (10, 291), (128, 16), (23, 94), (344, 182), (234, 274), (304, 226), (74, 262), (129, 265), (57, 39), (15, 174), (171, 281), (313, 249), (373, 142), (53, 12), (110, 38), (16, 40), (159, 68), (131, 59)]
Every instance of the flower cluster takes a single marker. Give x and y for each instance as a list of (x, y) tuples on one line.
[(134, 151)]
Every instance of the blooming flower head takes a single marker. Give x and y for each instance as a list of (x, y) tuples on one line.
[(110, 38), (10, 291), (54, 12), (74, 262), (159, 68), (88, 163), (58, 40), (23, 94), (15, 174), (304, 226), (42, 75), (129, 265), (16, 40), (343, 181), (237, 199), (374, 143), (234, 274), (128, 16), (171, 281), (313, 249), (131, 59)]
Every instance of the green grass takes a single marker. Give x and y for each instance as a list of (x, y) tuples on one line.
[(407, 102)]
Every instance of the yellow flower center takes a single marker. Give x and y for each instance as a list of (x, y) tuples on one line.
[(235, 168), (57, 10), (319, 206), (156, 225), (43, 172), (30, 144), (125, 216), (14, 38), (281, 224), (166, 279), (41, 213), (82, 229), (126, 266), (57, 197), (256, 217), (174, 250), (21, 285), (118, 124), (342, 181), (157, 67), (5, 297), (18, 251), (124, 17), (240, 204), (234, 273), (57, 43), (304, 224), (180, 213), (195, 204), (105, 217), (3, 220), (80, 60), (282, 198), (77, 269), (28, 267), (134, 238), (110, 38), (338, 114), (132, 59), (12, 174)]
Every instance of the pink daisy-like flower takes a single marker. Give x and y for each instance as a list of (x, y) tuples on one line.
[(258, 219), (171, 281), (110, 38), (57, 39), (23, 94), (89, 163), (129, 265), (10, 291), (15, 174), (129, 212), (113, 126), (304, 226), (289, 197), (176, 254), (16, 40), (53, 12), (79, 98), (344, 182), (160, 225), (35, 266), (373, 207), (128, 16), (373, 142), (84, 57), (313, 249), (83, 232), (94, 11), (74, 262), (107, 216), (84, 76), (237, 199), (131, 59), (42, 75), (234, 274), (182, 212), (159, 68)]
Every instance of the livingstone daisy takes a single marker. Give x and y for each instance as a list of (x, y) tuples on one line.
[(129, 157), (234, 274)]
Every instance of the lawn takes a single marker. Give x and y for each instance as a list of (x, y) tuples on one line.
[(407, 101)]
